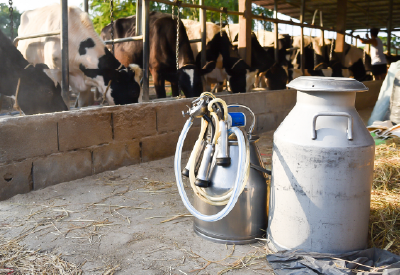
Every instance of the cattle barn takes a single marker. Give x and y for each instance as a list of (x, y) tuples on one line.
[(90, 188)]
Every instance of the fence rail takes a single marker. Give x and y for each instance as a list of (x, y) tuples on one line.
[(36, 35)]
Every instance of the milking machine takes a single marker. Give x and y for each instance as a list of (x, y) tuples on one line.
[(225, 172)]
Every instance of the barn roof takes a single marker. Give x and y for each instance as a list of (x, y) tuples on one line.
[(360, 14)]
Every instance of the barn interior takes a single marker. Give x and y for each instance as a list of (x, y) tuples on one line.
[(93, 188)]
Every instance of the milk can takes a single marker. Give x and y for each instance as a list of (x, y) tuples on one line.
[(322, 170)]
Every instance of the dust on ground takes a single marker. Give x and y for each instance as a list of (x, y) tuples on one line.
[(129, 221)]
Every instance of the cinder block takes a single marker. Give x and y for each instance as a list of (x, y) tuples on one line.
[(26, 137), (61, 167), (266, 122), (277, 101), (15, 178), (83, 129), (136, 122), (115, 155), (159, 146), (169, 115)]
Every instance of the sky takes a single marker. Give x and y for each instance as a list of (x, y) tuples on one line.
[(24, 5)]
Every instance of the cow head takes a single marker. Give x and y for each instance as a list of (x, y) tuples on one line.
[(190, 78), (38, 93), (125, 84), (122, 85), (240, 76), (277, 77)]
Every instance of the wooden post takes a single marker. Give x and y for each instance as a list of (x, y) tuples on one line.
[(203, 24), (341, 27), (146, 48), (303, 59), (389, 28), (245, 31), (276, 45)]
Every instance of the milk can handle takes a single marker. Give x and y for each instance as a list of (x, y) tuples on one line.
[(349, 125)]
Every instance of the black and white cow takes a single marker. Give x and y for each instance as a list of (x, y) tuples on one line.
[(37, 92), (162, 63), (90, 63), (322, 60)]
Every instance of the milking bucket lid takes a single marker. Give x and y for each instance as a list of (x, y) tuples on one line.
[(327, 84)]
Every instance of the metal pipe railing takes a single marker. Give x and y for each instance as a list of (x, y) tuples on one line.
[(125, 39), (37, 35)]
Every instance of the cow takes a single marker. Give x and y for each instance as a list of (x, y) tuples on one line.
[(239, 74), (36, 91), (193, 30), (90, 63), (322, 60), (162, 63)]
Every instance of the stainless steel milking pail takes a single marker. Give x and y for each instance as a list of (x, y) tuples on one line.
[(248, 219), (322, 170)]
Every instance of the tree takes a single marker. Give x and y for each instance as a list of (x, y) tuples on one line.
[(101, 11), (395, 43), (5, 20)]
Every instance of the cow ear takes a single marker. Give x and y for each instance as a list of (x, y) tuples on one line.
[(208, 68), (54, 74)]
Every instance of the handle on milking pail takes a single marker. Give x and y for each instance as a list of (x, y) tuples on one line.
[(345, 114)]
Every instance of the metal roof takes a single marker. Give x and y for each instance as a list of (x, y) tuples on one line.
[(360, 14)]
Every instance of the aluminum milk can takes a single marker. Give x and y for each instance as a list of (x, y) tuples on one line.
[(322, 170), (248, 219)]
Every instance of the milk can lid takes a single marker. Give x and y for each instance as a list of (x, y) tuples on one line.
[(327, 84)]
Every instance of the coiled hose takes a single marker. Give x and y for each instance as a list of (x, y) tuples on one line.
[(240, 182)]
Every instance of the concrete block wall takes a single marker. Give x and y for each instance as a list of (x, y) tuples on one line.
[(42, 150)]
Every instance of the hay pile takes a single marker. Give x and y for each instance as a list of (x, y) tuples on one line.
[(16, 259), (384, 230)]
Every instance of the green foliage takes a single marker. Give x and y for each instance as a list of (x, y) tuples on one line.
[(100, 11), (261, 24), (5, 20), (395, 43)]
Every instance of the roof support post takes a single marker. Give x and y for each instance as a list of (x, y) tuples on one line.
[(138, 17), (389, 28), (64, 53), (203, 24), (245, 31), (303, 59), (146, 48), (341, 27), (276, 44)]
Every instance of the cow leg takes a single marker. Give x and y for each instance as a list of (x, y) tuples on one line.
[(175, 89), (159, 84)]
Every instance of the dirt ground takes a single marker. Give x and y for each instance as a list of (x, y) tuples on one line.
[(130, 221), (115, 220)]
